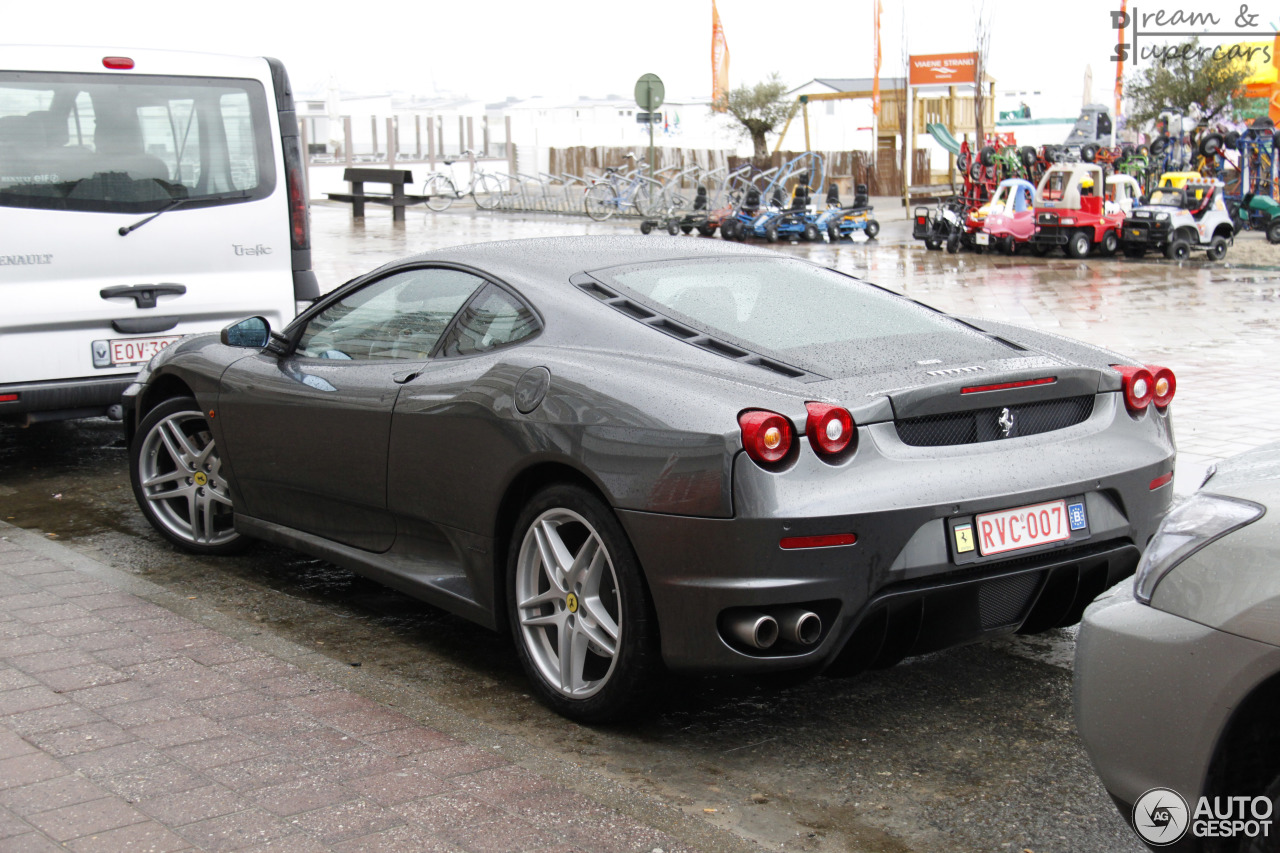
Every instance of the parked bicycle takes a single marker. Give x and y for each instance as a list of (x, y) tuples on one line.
[(614, 193), (440, 188)]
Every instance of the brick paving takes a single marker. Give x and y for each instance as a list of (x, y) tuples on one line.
[(124, 726)]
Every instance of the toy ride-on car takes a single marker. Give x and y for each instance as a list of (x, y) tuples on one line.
[(1070, 212), (839, 222), (1011, 217), (1263, 213), (940, 226), (1177, 220)]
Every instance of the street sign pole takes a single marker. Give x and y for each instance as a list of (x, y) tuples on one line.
[(649, 95)]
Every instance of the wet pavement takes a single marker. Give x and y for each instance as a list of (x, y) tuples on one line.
[(967, 750)]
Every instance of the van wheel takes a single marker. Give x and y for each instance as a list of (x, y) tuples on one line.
[(579, 610), (1079, 244), (1217, 249), (1178, 249), (176, 473)]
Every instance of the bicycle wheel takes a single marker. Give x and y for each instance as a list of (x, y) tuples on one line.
[(601, 202), (646, 199), (439, 191), (486, 192)]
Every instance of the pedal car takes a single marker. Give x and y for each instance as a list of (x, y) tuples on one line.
[(1070, 213), (1177, 220), (1011, 217), (840, 222)]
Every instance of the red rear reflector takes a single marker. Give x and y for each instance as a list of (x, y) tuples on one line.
[(830, 541), (1162, 480), (119, 63), (8, 398), (1025, 383)]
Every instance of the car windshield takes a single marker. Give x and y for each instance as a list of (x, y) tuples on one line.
[(1167, 196), (128, 144), (779, 304)]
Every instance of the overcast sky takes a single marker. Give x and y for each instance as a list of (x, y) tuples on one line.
[(566, 48)]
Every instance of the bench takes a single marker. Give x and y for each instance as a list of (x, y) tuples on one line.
[(397, 198)]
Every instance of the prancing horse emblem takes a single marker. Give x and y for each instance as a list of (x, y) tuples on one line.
[(1005, 423)]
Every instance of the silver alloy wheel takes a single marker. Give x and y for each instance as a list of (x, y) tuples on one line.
[(180, 474), (567, 603)]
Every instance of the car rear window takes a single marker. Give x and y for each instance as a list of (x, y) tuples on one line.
[(127, 144), (777, 304)]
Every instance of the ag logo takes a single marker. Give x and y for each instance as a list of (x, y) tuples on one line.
[(1160, 816)]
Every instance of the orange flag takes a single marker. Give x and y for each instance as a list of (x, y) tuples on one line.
[(875, 86), (719, 58), (1124, 7)]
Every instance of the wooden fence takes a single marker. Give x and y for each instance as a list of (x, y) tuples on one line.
[(845, 168)]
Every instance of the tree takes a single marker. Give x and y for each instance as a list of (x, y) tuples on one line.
[(982, 47), (758, 110), (1182, 75)]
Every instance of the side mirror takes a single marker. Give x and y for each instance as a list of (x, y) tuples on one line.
[(253, 333)]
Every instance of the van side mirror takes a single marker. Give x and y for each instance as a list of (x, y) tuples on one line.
[(252, 333)]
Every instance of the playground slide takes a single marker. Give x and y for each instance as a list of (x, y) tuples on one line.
[(943, 137)]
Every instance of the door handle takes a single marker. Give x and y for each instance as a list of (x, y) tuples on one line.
[(144, 295)]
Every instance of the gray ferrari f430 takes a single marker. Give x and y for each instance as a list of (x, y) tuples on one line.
[(634, 453)]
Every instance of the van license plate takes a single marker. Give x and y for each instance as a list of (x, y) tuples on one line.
[(1024, 527), (121, 351)]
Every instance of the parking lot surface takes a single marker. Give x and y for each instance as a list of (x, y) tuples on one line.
[(968, 750)]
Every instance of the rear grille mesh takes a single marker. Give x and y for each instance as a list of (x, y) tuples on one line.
[(985, 424)]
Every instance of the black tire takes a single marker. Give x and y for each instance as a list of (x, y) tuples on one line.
[(811, 232), (1050, 154), (1273, 232), (1231, 140), (987, 156), (729, 229), (975, 171), (933, 244), (1178, 249), (1262, 843), (953, 244), (686, 229), (1007, 246), (611, 608), (174, 441), (646, 227), (1211, 144), (1079, 244), (872, 229), (706, 230), (833, 232), (1110, 242), (673, 228), (1088, 152), (1158, 145), (771, 232), (1028, 155), (1217, 249)]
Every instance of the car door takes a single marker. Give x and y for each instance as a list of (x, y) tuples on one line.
[(308, 431), (451, 436)]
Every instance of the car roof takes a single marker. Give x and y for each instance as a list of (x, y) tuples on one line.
[(555, 259)]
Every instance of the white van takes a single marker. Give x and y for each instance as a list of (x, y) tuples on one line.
[(144, 195)]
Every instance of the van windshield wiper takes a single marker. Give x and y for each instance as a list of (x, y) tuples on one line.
[(125, 230)]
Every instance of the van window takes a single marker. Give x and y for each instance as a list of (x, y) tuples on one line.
[(117, 143)]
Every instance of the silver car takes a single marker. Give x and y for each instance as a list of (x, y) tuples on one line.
[(1177, 686)]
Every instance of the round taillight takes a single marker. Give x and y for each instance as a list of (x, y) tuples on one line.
[(829, 428), (766, 436), (1166, 385), (1139, 386)]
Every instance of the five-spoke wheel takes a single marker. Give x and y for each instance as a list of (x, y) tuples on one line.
[(178, 480), (578, 607)]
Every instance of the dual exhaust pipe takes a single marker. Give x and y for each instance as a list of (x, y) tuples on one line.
[(793, 625)]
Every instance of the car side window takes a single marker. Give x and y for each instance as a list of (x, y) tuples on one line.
[(494, 318), (400, 317)]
